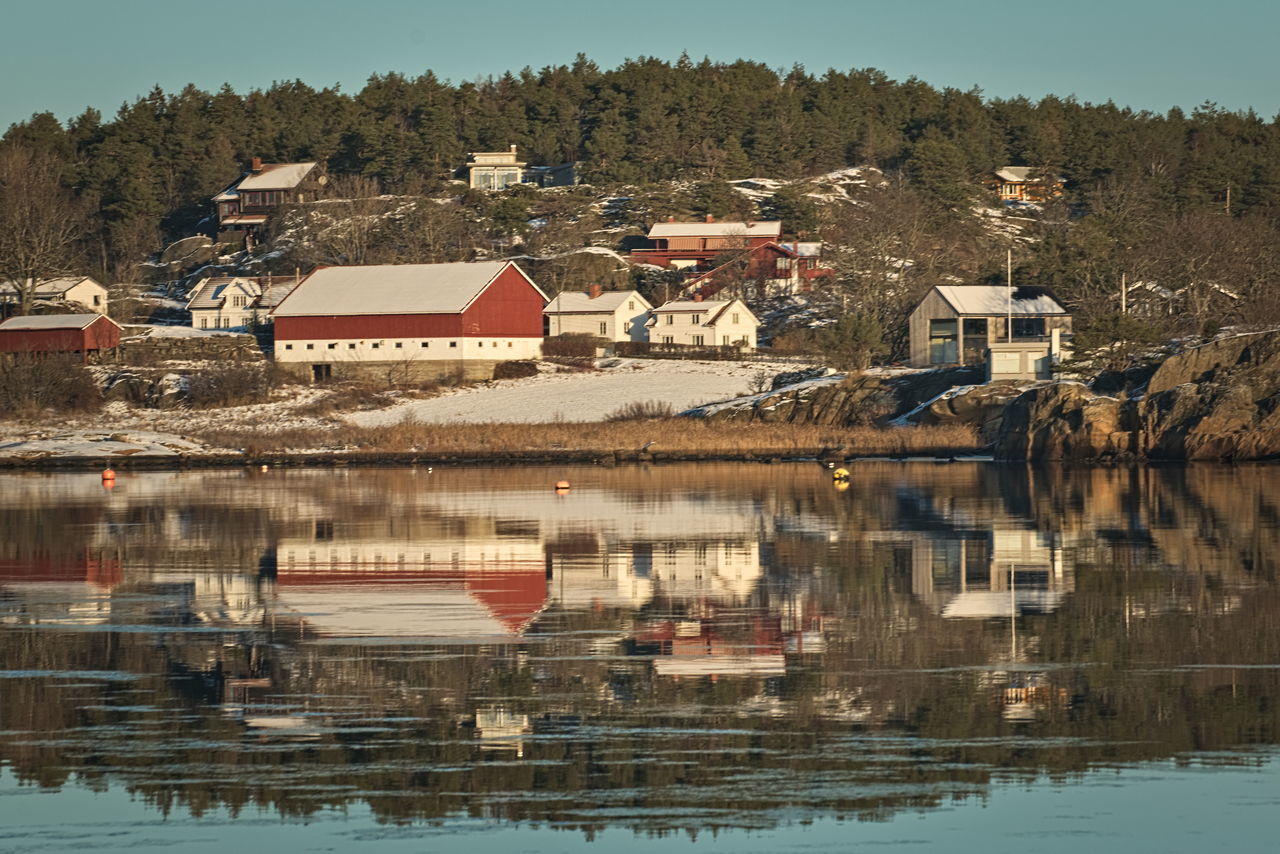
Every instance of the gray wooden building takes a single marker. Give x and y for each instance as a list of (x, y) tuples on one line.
[(957, 324)]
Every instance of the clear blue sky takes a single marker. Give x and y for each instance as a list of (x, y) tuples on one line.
[(64, 55)]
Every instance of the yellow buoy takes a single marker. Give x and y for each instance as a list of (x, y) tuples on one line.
[(840, 474), (562, 486)]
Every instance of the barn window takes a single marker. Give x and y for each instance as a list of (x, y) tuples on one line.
[(425, 345), (376, 345), (311, 346), (453, 343), (508, 343), (288, 346), (351, 346), (399, 345), (479, 343), (333, 346)]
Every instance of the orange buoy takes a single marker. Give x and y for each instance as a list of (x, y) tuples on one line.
[(108, 474), (562, 486)]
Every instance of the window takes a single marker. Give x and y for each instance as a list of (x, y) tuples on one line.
[(333, 346), (943, 342), (604, 328), (311, 346), (204, 323), (697, 340), (784, 265), (453, 343), (376, 344), (695, 319), (351, 346), (671, 318), (724, 339), (631, 305), (399, 345), (975, 326), (479, 343), (424, 345), (508, 343), (97, 300), (733, 318), (288, 346), (667, 339), (1028, 327)]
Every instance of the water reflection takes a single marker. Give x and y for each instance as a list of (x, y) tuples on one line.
[(675, 647)]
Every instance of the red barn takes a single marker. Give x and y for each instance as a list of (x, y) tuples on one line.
[(410, 321), (81, 334)]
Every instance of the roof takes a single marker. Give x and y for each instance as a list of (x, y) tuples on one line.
[(770, 229), (53, 321), (703, 306), (392, 289), (580, 303), (212, 292), (275, 176), (807, 249), (1017, 174), (992, 300)]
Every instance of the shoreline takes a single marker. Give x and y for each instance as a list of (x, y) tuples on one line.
[(337, 459)]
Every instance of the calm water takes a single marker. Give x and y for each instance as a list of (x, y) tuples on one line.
[(719, 658)]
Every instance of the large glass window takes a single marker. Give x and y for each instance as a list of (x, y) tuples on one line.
[(1028, 327)]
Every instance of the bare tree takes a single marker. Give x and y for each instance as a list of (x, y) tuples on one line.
[(42, 223)]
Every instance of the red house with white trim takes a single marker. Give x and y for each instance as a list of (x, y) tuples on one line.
[(44, 334), (694, 245), (409, 322)]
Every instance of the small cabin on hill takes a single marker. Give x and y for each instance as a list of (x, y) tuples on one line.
[(248, 203), (406, 322), (47, 334), (1024, 184), (959, 324), (770, 269), (614, 315), (494, 170)]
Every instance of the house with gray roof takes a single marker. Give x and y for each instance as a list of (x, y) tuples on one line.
[(79, 290), (614, 315), (960, 324), (248, 203)]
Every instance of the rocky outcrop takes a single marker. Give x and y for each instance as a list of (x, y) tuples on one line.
[(1062, 421), (1216, 402), (857, 400), (1220, 401)]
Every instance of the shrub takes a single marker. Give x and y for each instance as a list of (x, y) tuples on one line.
[(231, 384), (641, 410), (515, 370), (574, 345), (31, 384)]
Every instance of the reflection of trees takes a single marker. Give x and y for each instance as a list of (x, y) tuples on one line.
[(1153, 653)]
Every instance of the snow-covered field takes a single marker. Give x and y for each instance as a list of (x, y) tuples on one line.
[(586, 396)]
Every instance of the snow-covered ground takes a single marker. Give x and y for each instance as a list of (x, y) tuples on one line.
[(97, 443), (586, 396)]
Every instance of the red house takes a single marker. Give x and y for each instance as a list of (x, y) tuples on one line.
[(695, 245), (245, 206), (81, 334), (410, 321), (769, 269)]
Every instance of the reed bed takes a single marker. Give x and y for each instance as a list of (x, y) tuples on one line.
[(661, 437)]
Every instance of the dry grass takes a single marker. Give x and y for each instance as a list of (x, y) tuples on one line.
[(669, 437)]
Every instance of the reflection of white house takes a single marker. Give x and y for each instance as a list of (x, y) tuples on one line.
[(615, 315), (997, 573), (713, 323), (631, 575)]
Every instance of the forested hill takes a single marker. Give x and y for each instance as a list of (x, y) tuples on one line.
[(149, 171)]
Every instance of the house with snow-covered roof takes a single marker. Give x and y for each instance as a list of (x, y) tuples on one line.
[(1024, 184), (614, 315), (405, 322), (703, 323), (247, 204), (81, 290), (962, 324), (695, 245), (227, 302)]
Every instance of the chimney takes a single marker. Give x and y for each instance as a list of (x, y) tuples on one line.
[(256, 165), (710, 218), (671, 219), (697, 296), (513, 149), (593, 291)]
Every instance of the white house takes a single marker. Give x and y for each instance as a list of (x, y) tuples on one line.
[(83, 290), (615, 315), (710, 323), (494, 170)]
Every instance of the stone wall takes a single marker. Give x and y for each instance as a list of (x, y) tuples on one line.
[(147, 350)]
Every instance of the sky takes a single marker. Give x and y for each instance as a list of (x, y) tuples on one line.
[(62, 56)]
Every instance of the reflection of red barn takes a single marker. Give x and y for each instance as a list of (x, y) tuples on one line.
[(416, 601), (80, 334), (82, 567)]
